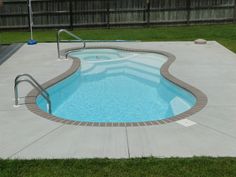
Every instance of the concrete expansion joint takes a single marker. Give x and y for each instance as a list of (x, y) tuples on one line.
[(127, 141), (33, 142)]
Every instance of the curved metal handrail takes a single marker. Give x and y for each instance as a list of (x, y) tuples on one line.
[(70, 34), (29, 76), (36, 85)]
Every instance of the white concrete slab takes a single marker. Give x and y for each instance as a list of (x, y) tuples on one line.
[(211, 68), (79, 142), (19, 129), (174, 140)]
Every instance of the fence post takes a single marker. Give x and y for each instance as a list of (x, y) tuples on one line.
[(234, 11), (188, 9), (148, 12), (71, 14), (28, 15), (108, 14)]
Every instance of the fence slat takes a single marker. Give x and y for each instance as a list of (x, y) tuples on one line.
[(108, 14), (234, 11), (86, 13), (71, 15), (28, 14), (188, 9), (148, 11)]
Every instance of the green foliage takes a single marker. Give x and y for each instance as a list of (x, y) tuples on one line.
[(224, 34), (139, 167)]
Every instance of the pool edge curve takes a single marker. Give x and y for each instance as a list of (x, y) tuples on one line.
[(201, 98)]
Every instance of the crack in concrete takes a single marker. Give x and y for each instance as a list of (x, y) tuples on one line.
[(218, 131), (33, 142)]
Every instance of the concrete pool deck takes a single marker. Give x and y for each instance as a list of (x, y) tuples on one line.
[(210, 68)]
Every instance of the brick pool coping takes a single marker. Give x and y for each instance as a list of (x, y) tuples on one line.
[(201, 98)]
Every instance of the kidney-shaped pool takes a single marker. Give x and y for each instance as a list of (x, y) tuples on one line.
[(117, 86)]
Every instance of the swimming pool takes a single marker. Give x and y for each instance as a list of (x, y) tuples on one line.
[(97, 55), (117, 86)]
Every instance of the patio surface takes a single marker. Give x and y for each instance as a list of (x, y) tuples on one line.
[(210, 68)]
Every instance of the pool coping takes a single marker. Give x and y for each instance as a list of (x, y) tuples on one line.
[(201, 98)]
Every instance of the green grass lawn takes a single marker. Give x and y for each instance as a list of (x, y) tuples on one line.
[(141, 167), (224, 34)]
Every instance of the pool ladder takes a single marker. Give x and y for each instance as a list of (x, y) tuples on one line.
[(78, 39), (36, 85)]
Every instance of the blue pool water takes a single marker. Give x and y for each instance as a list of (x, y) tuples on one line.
[(100, 54), (127, 87)]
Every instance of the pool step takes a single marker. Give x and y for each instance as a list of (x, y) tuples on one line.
[(149, 60), (129, 71), (137, 67), (147, 77), (179, 105), (92, 68)]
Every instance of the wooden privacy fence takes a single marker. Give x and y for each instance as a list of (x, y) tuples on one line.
[(87, 13)]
